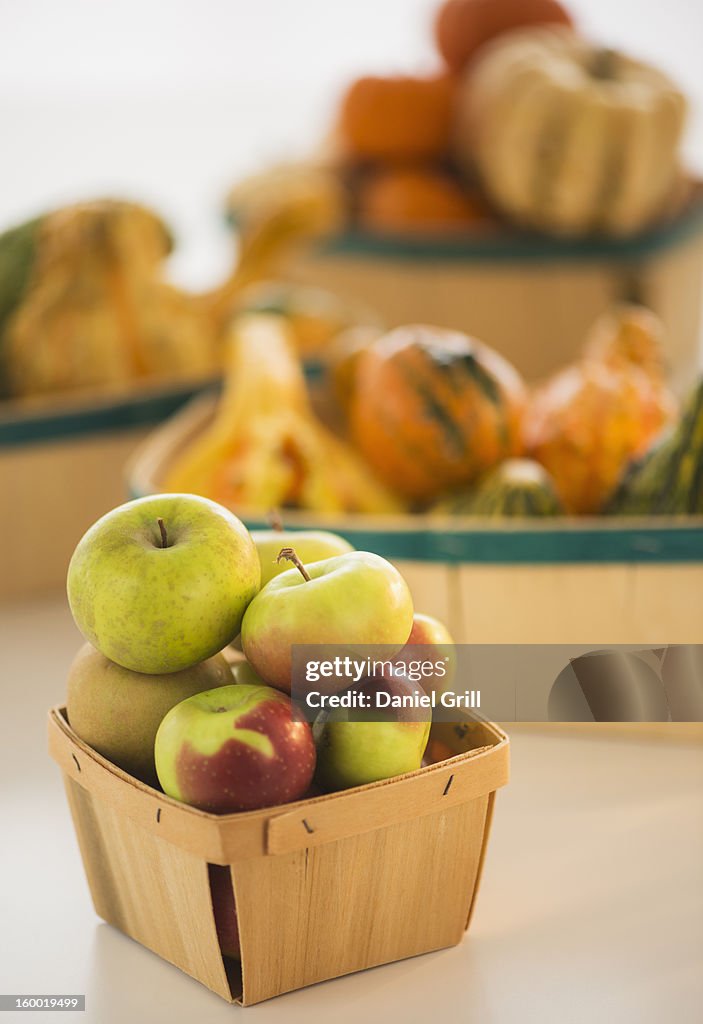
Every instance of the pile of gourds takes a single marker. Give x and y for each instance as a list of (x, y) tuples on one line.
[(436, 421), (85, 304), (449, 425), (527, 122), (265, 447)]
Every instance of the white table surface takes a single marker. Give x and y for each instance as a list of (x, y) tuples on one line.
[(591, 907)]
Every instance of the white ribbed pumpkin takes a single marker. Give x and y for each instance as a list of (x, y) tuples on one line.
[(569, 138)]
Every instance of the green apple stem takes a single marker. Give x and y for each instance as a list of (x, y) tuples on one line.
[(275, 520), (290, 556), (604, 64), (164, 535)]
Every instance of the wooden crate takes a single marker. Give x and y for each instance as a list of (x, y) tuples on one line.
[(61, 467), (532, 298), (323, 887), (600, 580)]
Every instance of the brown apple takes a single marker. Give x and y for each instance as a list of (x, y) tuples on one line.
[(117, 711)]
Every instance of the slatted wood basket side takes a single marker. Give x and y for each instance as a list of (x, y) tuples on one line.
[(62, 463)]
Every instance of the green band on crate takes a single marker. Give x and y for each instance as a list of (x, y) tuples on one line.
[(514, 247), (517, 248), (538, 546), (128, 413), (125, 414)]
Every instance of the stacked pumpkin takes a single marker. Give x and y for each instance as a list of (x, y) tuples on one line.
[(527, 120), (448, 424)]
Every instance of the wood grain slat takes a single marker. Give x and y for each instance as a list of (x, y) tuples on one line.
[(58, 489), (151, 889), (575, 604), (313, 914), (459, 780)]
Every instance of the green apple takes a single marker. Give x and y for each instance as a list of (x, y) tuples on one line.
[(236, 748), (356, 748), (162, 583), (310, 546), (353, 599), (117, 712), (244, 673)]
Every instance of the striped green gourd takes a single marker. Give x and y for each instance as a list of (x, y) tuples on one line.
[(433, 409), (668, 479), (516, 487)]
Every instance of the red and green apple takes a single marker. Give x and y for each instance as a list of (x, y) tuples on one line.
[(235, 748), (353, 599)]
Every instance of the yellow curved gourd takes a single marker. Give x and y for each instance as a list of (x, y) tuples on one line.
[(266, 448)]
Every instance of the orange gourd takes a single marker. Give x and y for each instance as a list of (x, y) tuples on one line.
[(417, 199), (462, 26), (628, 335), (591, 419), (398, 117), (433, 408)]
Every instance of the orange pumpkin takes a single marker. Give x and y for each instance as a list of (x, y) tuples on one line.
[(462, 26), (417, 199), (433, 408), (588, 422), (397, 118), (342, 357)]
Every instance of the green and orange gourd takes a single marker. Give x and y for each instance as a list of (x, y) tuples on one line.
[(433, 409)]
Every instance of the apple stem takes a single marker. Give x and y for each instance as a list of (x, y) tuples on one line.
[(275, 520), (164, 535), (289, 555)]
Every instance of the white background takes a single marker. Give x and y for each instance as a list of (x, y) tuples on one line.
[(167, 101)]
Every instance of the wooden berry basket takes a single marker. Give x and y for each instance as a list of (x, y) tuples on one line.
[(531, 297), (601, 580), (323, 887), (62, 463)]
